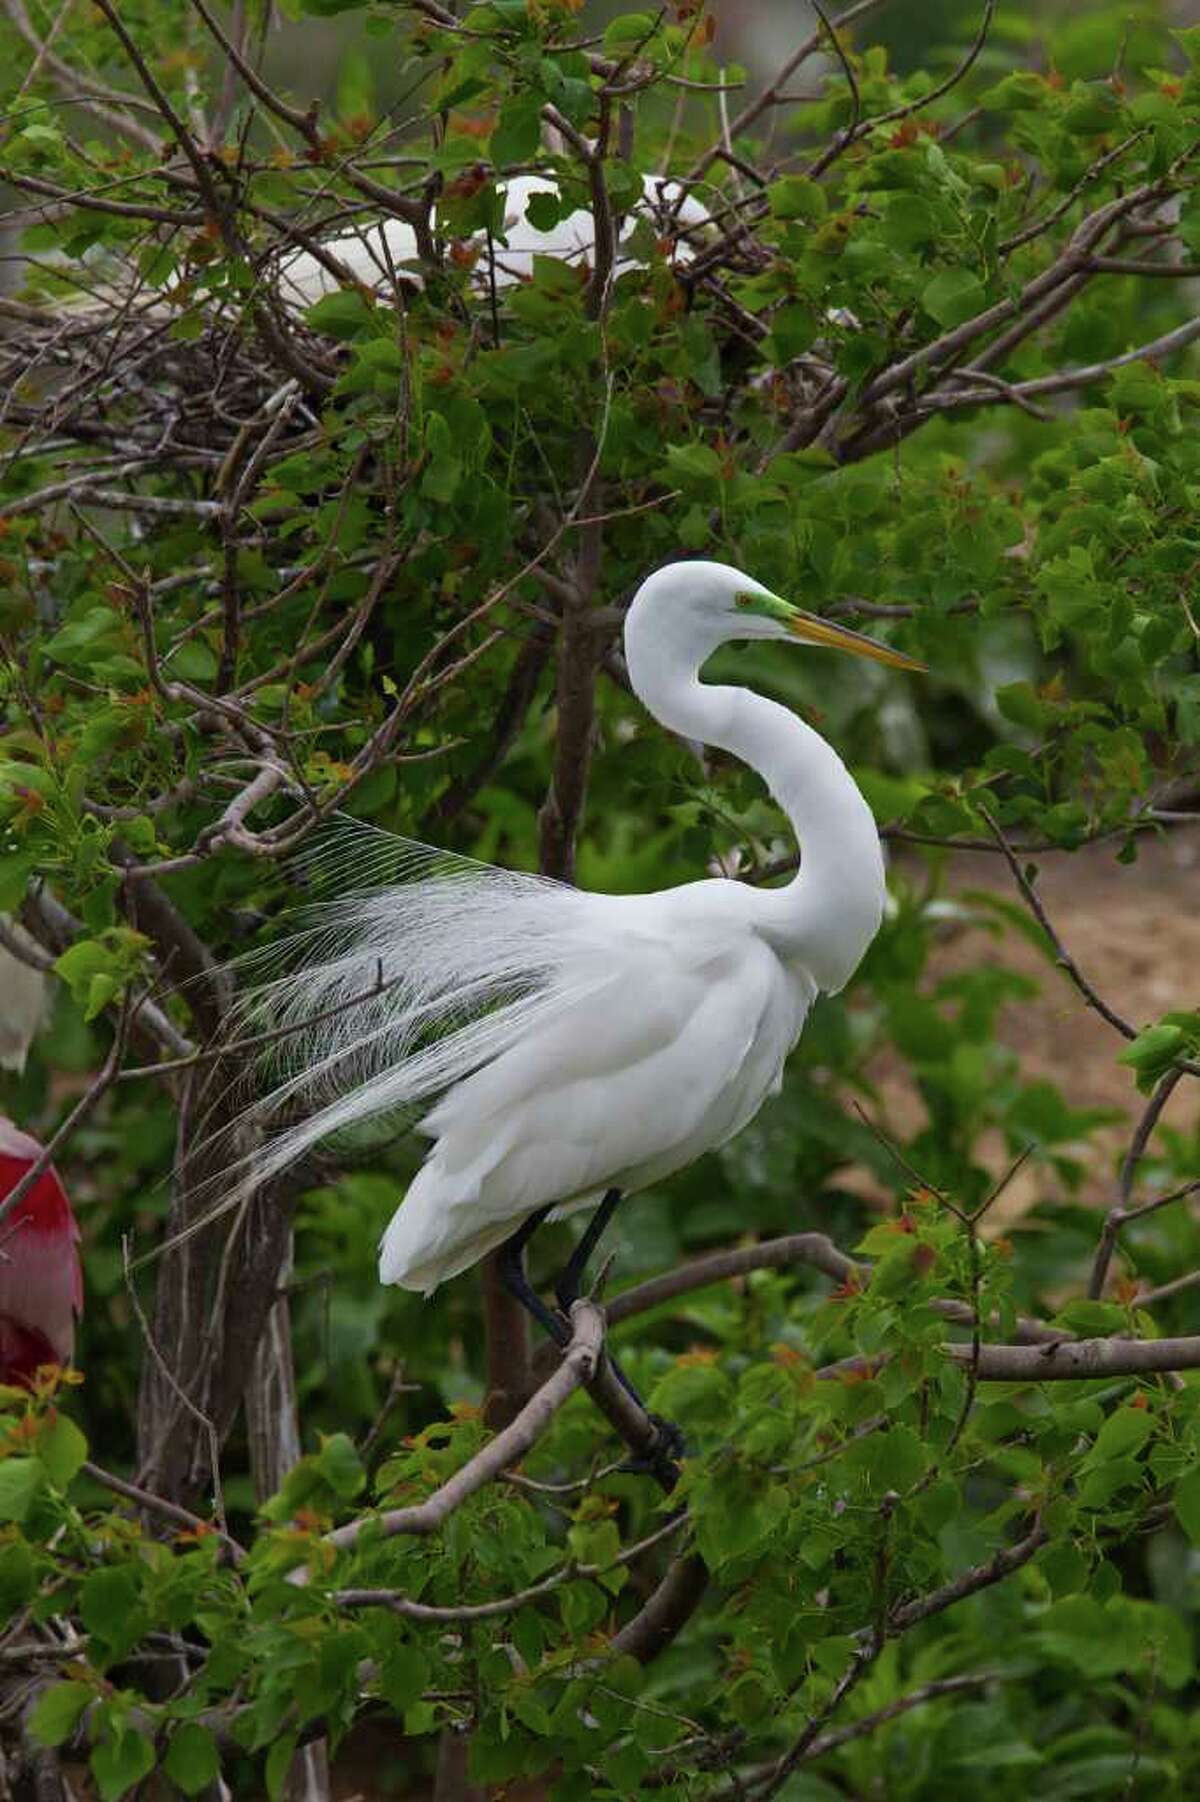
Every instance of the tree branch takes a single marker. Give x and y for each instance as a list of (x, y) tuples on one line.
[(1073, 1360), (577, 1370), (808, 1248)]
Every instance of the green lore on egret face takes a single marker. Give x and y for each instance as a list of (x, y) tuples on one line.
[(769, 605)]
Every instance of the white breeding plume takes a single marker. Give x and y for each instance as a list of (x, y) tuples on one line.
[(575, 1045), (24, 994), (385, 251)]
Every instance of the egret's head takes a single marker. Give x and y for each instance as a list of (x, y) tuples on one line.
[(688, 609)]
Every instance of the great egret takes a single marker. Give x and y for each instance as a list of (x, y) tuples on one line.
[(582, 1046), (41, 1282), (386, 250)]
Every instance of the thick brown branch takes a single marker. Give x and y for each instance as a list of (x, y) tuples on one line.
[(1076, 1359), (667, 1612), (795, 1248)]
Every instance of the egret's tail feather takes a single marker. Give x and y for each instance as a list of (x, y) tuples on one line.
[(394, 992), (425, 1243)]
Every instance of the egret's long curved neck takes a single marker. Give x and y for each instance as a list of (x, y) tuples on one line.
[(829, 914)]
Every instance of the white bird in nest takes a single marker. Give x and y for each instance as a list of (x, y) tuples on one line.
[(382, 254), (385, 251), (579, 1047)]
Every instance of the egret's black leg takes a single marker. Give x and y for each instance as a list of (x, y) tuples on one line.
[(510, 1263), (567, 1290), (568, 1286), (570, 1281)]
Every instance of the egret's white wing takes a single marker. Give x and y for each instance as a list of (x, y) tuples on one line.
[(667, 1057), (562, 1042)]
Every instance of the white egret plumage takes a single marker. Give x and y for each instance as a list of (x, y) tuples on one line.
[(382, 251), (23, 1003), (580, 1046)]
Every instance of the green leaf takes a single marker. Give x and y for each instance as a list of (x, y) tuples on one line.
[(1125, 1431), (403, 1676), (80, 966), (518, 134), (20, 1481), (444, 469), (345, 315), (1065, 1569), (626, 32), (1153, 1052), (1188, 39), (694, 1393), (80, 639), (192, 1761), (953, 296), (1020, 703), (796, 197), (1093, 108), (15, 871), (895, 1460), (18, 1577), (693, 463), (793, 330), (57, 1713), (530, 1710), (61, 1447), (279, 1760), (195, 661), (1102, 1482), (118, 1764), (1092, 1319), (340, 1465), (544, 210), (109, 1606), (1021, 92), (1187, 1504)]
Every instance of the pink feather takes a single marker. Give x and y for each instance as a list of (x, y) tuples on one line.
[(41, 1278)]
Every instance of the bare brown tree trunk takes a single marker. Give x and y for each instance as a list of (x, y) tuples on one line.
[(273, 1429), (451, 1783)]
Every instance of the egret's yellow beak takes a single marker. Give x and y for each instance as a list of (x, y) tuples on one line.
[(822, 631), (813, 630)]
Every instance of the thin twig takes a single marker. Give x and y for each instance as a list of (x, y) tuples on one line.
[(157, 1504), (1062, 956), (398, 1603), (87, 1102)]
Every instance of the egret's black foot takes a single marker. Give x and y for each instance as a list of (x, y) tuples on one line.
[(661, 1457), (671, 1438)]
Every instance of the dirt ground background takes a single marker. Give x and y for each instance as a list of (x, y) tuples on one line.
[(1134, 931)]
